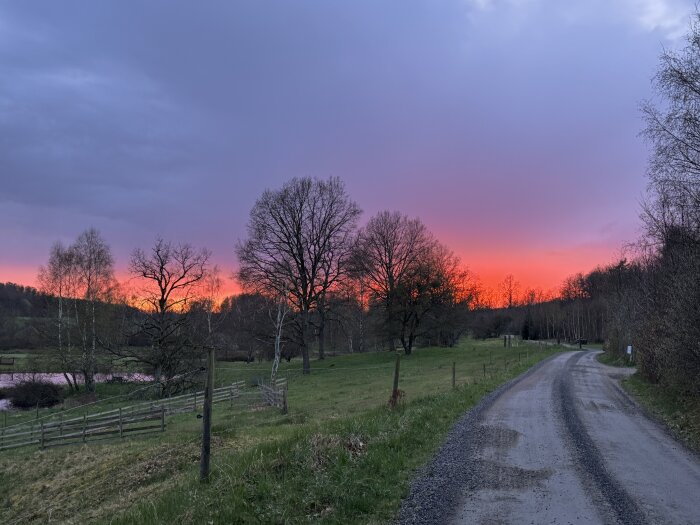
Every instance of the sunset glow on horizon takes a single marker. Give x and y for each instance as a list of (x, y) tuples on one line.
[(536, 270)]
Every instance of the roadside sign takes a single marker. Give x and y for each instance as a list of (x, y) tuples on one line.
[(629, 350)]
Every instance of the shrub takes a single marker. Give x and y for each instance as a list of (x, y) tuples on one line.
[(30, 393)]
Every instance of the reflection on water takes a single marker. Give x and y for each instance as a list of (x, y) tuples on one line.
[(8, 379)]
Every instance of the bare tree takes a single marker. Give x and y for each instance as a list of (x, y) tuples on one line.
[(674, 133), (299, 239), (211, 298), (58, 279), (170, 277), (405, 270), (94, 265), (510, 289)]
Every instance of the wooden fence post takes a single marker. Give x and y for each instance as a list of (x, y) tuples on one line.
[(454, 379), (121, 424), (42, 436), (162, 418), (204, 464), (84, 426), (395, 389), (484, 369), (195, 402)]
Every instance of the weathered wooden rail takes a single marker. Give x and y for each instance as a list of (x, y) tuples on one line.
[(110, 424), (83, 430), (275, 394)]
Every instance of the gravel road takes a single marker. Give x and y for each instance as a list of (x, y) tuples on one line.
[(562, 444)]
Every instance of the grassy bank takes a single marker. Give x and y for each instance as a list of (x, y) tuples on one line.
[(680, 413), (339, 456), (610, 359)]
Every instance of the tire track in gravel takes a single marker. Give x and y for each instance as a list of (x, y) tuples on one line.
[(605, 488)]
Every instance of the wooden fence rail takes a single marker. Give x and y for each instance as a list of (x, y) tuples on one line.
[(275, 394), (81, 431), (116, 422)]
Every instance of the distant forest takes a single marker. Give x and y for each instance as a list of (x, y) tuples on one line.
[(24, 316)]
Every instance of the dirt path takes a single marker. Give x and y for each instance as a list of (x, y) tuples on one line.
[(562, 444)]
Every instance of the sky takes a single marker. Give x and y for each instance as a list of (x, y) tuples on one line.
[(510, 127)]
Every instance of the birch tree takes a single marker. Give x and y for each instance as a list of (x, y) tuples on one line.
[(58, 279), (94, 265)]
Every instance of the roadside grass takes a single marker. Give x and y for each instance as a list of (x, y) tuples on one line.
[(610, 359), (680, 413), (339, 456)]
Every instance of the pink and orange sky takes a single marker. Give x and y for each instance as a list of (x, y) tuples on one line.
[(510, 127)]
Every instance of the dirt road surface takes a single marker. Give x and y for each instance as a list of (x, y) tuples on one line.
[(562, 444)]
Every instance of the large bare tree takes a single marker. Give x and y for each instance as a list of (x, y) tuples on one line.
[(299, 239), (170, 279), (406, 271)]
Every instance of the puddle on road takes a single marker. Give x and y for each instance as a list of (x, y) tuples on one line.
[(499, 437), (494, 475), (491, 474)]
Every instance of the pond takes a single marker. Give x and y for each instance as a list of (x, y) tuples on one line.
[(9, 379)]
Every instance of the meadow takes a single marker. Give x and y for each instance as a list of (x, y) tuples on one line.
[(339, 455)]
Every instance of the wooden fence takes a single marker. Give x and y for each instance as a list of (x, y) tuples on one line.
[(275, 394), (109, 424), (88, 428)]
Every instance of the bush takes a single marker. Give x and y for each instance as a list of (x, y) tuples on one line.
[(30, 393)]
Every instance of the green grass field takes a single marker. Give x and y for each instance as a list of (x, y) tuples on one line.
[(339, 455)]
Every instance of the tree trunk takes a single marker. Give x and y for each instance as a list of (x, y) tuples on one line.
[(91, 360), (281, 313), (322, 334), (304, 346), (204, 464)]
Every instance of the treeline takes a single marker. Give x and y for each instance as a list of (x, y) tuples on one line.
[(23, 315), (314, 282), (578, 311)]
